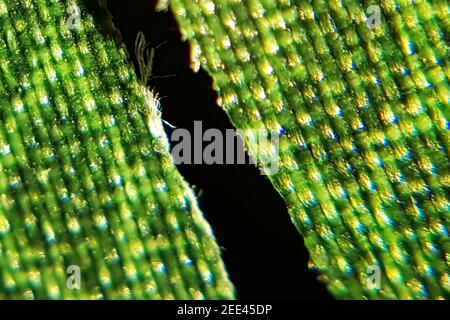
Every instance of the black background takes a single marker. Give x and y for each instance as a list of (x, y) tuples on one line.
[(263, 252)]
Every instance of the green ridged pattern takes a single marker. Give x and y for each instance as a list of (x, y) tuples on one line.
[(363, 119), (82, 180)]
